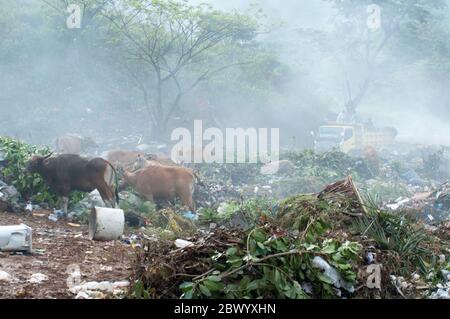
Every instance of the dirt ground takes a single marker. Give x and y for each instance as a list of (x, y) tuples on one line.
[(57, 245)]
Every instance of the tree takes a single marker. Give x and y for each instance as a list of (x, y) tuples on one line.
[(170, 47), (360, 44)]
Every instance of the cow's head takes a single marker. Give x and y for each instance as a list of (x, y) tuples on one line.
[(139, 163), (36, 162)]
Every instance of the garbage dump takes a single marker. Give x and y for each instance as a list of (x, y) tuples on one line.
[(327, 226), (331, 244), (224, 149)]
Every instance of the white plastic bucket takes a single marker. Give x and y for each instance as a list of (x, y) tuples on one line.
[(106, 223), (16, 238)]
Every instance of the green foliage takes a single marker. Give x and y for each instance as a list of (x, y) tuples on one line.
[(250, 209), (76, 197), (17, 154), (436, 273), (298, 185), (302, 211), (144, 208), (147, 208), (256, 207), (227, 210), (328, 166), (396, 233), (271, 266), (236, 174)]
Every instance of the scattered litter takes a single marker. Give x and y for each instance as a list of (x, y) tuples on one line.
[(181, 243), (332, 274), (441, 294), (39, 214), (74, 224), (190, 215), (16, 238), (106, 268), (5, 277), (38, 278), (56, 215), (8, 192), (98, 290)]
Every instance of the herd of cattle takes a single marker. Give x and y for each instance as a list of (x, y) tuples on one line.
[(153, 177)]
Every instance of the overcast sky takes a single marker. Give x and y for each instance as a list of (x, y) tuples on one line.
[(303, 13)]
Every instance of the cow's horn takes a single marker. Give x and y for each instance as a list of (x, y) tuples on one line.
[(47, 156)]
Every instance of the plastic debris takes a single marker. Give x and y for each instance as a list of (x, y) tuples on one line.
[(5, 277), (97, 290), (332, 274), (56, 215), (38, 278), (441, 294), (181, 243), (16, 238), (8, 192), (190, 215)]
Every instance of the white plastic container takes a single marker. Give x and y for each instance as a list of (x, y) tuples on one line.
[(106, 223), (16, 238)]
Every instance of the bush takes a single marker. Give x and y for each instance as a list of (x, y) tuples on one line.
[(329, 166), (269, 266), (30, 186), (250, 210)]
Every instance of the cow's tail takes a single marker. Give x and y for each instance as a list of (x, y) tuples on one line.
[(116, 181)]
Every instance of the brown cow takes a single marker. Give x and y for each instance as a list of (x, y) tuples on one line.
[(124, 159), (163, 182), (70, 172), (74, 144), (144, 161), (371, 156)]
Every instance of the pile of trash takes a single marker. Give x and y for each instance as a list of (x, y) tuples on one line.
[(284, 229), (265, 261), (99, 290), (9, 197), (332, 244), (331, 165), (432, 206), (296, 172), (169, 224)]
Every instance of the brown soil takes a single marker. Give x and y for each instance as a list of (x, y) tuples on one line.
[(56, 245)]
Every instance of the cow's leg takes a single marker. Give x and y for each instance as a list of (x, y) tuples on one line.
[(189, 197), (64, 200), (107, 194), (108, 186), (190, 203), (63, 192), (186, 200)]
